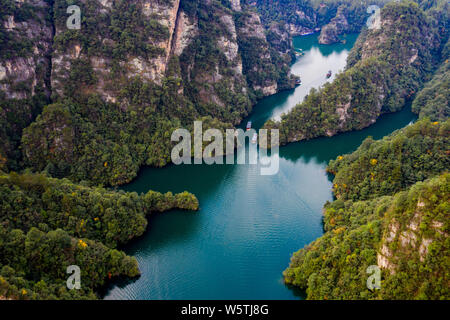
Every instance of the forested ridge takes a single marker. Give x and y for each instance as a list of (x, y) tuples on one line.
[(392, 194), (47, 224), (386, 67), (433, 100), (392, 211)]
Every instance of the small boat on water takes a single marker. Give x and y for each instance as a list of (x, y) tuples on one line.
[(249, 125), (255, 138), (329, 74), (298, 82)]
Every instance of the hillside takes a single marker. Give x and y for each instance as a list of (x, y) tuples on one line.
[(406, 235), (385, 69), (82, 111), (392, 211), (48, 224)]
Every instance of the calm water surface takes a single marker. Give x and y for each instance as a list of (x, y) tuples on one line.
[(241, 240)]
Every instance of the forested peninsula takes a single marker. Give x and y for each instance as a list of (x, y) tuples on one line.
[(385, 69)]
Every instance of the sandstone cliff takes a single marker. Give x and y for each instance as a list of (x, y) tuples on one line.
[(25, 50), (155, 21)]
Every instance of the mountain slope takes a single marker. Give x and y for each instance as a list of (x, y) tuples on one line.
[(384, 217), (386, 67)]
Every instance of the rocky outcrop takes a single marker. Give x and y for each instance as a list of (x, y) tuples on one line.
[(149, 68), (28, 66), (409, 239), (25, 51), (252, 36), (167, 15), (185, 31), (212, 61), (337, 26), (236, 5)]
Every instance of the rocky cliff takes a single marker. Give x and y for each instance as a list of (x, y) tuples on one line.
[(133, 72), (106, 43), (338, 25), (385, 68), (25, 48)]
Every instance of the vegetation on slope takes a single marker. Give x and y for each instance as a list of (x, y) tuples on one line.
[(47, 224), (397, 161), (385, 215), (25, 37), (433, 100), (386, 67), (334, 266)]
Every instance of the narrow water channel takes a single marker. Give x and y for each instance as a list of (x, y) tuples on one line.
[(241, 240)]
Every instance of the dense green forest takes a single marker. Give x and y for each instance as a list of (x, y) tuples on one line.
[(21, 100), (334, 266), (392, 194), (389, 165), (47, 224), (385, 215), (385, 69), (433, 100)]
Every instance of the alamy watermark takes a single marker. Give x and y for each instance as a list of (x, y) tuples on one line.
[(74, 281), (374, 21), (235, 139), (373, 281), (74, 21)]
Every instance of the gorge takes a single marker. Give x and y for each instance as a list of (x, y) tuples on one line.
[(86, 117)]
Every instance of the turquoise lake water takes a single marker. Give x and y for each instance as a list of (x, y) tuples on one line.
[(240, 241)]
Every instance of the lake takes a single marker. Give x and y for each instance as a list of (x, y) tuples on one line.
[(240, 241)]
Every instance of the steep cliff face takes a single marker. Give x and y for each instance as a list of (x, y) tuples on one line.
[(385, 68), (252, 37), (113, 46), (166, 29), (25, 58), (25, 48), (408, 236), (185, 31), (392, 211), (337, 26), (210, 62)]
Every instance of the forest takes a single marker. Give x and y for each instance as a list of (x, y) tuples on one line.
[(47, 224), (399, 160), (76, 121), (334, 266), (392, 209), (384, 72)]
